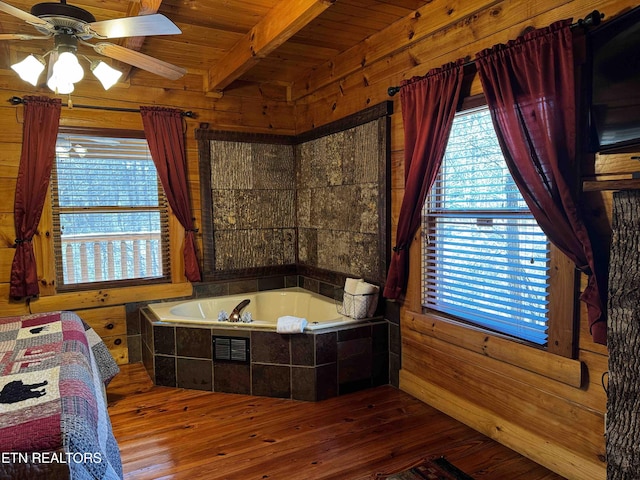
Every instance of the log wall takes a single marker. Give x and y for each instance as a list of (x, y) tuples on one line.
[(537, 413)]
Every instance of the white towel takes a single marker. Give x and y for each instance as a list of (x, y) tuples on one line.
[(367, 293), (350, 286), (291, 324)]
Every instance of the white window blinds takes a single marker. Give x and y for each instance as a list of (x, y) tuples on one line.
[(110, 213), (485, 260)]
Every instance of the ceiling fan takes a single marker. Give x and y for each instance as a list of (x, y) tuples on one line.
[(71, 26)]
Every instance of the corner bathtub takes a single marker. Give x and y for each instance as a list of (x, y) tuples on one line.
[(265, 308)]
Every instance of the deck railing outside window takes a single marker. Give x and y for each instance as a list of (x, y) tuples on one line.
[(103, 257)]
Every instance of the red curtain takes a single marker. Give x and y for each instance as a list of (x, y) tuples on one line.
[(163, 129), (529, 86), (428, 107), (39, 133)]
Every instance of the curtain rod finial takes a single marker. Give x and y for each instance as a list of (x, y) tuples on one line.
[(15, 100), (594, 18), (391, 91)]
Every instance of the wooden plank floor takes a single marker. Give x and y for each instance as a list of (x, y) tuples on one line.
[(170, 433)]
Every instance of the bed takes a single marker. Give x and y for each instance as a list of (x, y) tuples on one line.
[(54, 422)]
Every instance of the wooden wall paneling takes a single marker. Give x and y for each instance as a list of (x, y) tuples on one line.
[(586, 340), (176, 235), (596, 381), (274, 92), (6, 259), (7, 230), (106, 321), (413, 295), (11, 307), (397, 170), (394, 214), (78, 117), (230, 112), (191, 83), (44, 250), (9, 159), (397, 129), (563, 299), (118, 346), (500, 23), (488, 383), (432, 17), (271, 117), (109, 297), (8, 189), (596, 208), (11, 121), (194, 192), (552, 454), (556, 367), (616, 164), (111, 324)]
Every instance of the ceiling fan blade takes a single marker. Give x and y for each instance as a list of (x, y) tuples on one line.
[(26, 16), (140, 60), (22, 36), (140, 26)]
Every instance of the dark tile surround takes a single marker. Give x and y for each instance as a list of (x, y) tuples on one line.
[(309, 366)]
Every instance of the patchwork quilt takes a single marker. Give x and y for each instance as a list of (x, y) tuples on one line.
[(53, 413)]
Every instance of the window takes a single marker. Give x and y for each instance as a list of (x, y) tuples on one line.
[(109, 212), (485, 260)]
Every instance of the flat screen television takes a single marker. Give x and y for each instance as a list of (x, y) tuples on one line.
[(614, 112)]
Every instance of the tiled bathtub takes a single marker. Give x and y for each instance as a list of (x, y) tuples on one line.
[(308, 366)]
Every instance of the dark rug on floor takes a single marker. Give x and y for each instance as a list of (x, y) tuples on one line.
[(429, 469)]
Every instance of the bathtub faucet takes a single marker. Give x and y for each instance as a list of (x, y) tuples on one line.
[(235, 314)]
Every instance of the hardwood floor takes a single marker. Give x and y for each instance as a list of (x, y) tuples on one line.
[(169, 433)]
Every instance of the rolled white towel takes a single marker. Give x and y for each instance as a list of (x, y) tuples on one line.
[(290, 324), (351, 285)]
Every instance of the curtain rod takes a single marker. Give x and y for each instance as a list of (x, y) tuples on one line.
[(19, 101), (591, 20)]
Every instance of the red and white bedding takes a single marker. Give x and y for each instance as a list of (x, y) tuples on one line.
[(53, 415)]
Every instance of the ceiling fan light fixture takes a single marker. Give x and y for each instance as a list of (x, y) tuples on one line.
[(107, 75), (68, 68), (30, 68), (71, 26), (59, 85)]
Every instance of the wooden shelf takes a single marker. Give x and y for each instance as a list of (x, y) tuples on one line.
[(598, 186)]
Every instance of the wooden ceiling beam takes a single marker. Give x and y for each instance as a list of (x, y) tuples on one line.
[(281, 23)]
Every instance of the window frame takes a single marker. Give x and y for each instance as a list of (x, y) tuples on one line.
[(562, 318), (164, 209)]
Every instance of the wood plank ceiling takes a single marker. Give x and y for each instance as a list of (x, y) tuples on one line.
[(232, 43)]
